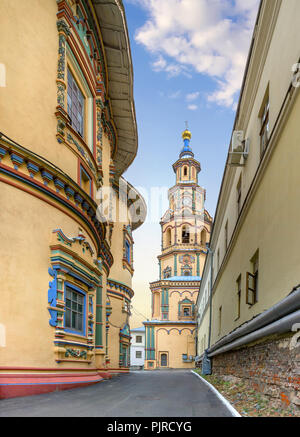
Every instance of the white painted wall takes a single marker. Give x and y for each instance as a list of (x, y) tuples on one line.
[(137, 347)]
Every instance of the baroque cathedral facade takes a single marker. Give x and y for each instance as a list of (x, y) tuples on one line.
[(186, 227)]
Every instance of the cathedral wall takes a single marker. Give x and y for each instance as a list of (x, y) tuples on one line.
[(174, 342), (175, 297), (29, 52), (25, 278), (56, 111)]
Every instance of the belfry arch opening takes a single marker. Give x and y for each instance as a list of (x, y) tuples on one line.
[(169, 237), (185, 234), (203, 237)]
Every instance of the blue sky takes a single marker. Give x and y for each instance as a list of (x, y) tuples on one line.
[(198, 82)]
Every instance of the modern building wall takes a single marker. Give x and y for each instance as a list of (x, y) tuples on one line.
[(58, 238), (263, 233), (137, 348)]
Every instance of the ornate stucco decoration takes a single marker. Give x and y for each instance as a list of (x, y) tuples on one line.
[(72, 262), (32, 172), (128, 241), (63, 34), (99, 139)]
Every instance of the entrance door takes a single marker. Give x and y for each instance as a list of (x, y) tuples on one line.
[(164, 360)]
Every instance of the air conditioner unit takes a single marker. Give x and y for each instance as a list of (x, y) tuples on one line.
[(239, 147), (237, 141)]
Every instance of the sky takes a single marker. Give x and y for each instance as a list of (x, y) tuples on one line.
[(189, 58)]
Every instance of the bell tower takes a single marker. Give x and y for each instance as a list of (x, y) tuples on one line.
[(185, 228)]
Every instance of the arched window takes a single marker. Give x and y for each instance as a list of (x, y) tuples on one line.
[(169, 237), (167, 273), (156, 303), (185, 234), (185, 171), (203, 237)]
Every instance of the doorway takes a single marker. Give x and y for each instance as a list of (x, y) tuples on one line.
[(163, 360)]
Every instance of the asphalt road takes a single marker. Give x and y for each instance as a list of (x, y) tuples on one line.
[(138, 394)]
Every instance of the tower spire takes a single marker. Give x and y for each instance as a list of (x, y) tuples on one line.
[(186, 136)]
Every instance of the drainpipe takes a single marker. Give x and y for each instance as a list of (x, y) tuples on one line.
[(278, 327), (211, 252), (206, 362)]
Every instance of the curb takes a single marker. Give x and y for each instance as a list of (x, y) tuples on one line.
[(221, 397)]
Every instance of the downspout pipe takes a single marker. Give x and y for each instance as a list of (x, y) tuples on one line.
[(278, 319), (206, 362), (284, 307), (281, 326), (210, 294)]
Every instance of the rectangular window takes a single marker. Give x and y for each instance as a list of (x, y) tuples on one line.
[(220, 321), (75, 104), (226, 236), (74, 310), (208, 292), (264, 123), (252, 281), (138, 354), (239, 195), (139, 339), (85, 181), (218, 257), (127, 251), (239, 294), (126, 306), (187, 311)]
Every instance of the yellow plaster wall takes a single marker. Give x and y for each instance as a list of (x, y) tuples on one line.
[(106, 157), (118, 272), (277, 75), (175, 298), (29, 52), (203, 333), (117, 320), (175, 345), (26, 231), (276, 202)]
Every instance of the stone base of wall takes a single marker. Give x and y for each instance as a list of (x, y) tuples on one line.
[(270, 366)]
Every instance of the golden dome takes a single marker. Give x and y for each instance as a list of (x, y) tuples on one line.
[(186, 135)]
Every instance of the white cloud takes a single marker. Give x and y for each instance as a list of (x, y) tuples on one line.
[(192, 96), (211, 37), (175, 95), (172, 69), (192, 107)]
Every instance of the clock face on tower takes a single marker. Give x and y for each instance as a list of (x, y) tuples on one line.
[(187, 201)]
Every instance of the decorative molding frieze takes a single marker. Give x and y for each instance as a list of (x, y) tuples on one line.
[(72, 261), (45, 180), (77, 353), (63, 34), (119, 287)]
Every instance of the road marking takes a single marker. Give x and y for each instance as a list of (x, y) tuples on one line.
[(221, 397)]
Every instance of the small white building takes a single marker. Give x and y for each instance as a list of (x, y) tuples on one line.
[(137, 348)]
